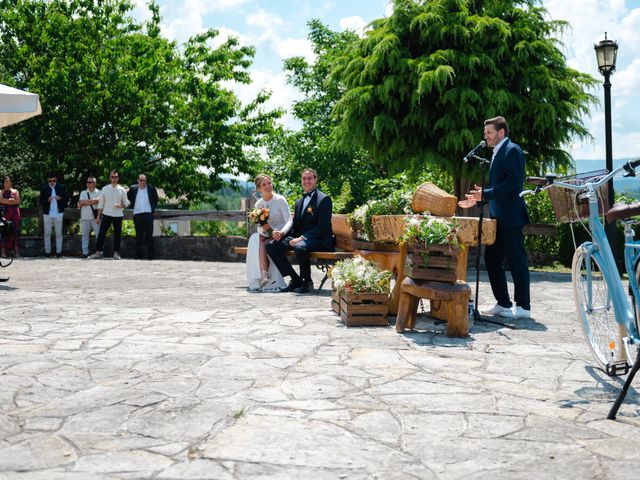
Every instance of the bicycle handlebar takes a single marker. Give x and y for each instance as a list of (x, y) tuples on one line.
[(550, 180)]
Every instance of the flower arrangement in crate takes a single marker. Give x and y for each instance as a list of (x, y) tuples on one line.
[(432, 248), (360, 291)]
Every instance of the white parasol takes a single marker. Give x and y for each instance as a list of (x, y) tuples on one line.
[(16, 105)]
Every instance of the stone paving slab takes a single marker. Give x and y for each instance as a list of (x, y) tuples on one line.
[(173, 370)]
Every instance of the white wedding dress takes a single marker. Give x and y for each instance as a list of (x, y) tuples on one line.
[(279, 219)]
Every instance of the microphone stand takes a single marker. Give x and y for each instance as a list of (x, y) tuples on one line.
[(476, 313)]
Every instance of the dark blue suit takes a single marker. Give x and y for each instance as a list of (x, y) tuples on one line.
[(314, 223), (506, 178)]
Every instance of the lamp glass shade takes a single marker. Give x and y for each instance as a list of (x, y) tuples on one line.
[(606, 54)]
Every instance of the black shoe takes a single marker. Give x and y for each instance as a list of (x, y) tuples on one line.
[(47, 255), (306, 287), (84, 255), (58, 255), (293, 284)]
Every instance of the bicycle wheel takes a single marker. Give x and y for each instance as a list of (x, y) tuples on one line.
[(595, 309)]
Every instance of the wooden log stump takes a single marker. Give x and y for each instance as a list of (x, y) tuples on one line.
[(452, 300)]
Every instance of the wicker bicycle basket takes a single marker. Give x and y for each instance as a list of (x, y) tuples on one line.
[(572, 205)]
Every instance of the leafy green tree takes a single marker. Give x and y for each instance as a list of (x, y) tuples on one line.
[(420, 83), (116, 94), (344, 173)]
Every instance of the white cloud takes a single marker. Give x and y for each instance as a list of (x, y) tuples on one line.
[(589, 20), (264, 19), (294, 47), (389, 9), (184, 18), (355, 23), (282, 94)]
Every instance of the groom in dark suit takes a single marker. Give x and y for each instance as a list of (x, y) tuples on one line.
[(309, 231), (506, 177)]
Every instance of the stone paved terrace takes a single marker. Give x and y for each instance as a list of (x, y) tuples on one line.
[(172, 370)]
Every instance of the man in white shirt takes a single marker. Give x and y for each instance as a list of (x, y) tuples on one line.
[(111, 205), (88, 204), (144, 199), (53, 199)]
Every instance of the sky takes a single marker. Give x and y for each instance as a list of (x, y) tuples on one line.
[(278, 30)]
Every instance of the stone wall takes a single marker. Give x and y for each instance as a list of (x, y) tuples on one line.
[(219, 249)]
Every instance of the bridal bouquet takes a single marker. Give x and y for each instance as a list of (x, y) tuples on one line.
[(259, 216)]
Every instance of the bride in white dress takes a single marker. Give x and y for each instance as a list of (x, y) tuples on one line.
[(262, 274)]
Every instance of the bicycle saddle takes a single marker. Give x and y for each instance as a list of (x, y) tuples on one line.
[(622, 211)]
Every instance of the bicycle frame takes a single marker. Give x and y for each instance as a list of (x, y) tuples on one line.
[(599, 248)]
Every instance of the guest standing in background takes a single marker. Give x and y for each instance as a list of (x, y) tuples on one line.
[(113, 201), (10, 201), (88, 204), (143, 198), (53, 199)]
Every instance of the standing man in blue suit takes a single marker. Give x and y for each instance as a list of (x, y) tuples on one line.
[(506, 177), (309, 231)]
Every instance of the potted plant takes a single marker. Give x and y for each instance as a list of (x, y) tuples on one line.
[(432, 248), (360, 291)]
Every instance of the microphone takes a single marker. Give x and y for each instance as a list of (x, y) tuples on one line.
[(475, 150)]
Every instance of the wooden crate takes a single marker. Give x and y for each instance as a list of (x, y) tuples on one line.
[(335, 301), (390, 228), (436, 263), (364, 309)]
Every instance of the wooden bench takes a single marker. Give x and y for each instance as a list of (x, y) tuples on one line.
[(324, 260), (449, 301)]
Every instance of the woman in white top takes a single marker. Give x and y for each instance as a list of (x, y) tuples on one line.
[(262, 274)]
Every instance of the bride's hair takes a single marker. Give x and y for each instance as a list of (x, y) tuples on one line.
[(259, 178)]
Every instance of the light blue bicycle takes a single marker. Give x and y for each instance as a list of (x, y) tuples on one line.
[(609, 321)]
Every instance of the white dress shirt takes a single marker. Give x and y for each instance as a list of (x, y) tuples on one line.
[(110, 197), (53, 205), (142, 201)]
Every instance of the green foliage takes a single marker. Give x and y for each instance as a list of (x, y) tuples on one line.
[(115, 94), (312, 146), (541, 211), (344, 201), (418, 86), (397, 203)]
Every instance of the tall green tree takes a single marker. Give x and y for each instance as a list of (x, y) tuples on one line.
[(420, 83), (116, 94), (345, 173)]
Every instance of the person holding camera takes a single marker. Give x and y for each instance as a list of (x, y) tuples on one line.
[(10, 201), (88, 204)]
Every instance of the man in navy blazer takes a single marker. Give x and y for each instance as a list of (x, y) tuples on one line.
[(309, 231), (53, 200), (143, 198), (506, 177)]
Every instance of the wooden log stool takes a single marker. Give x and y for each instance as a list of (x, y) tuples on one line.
[(449, 301)]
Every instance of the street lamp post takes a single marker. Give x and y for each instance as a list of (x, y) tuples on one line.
[(606, 54)]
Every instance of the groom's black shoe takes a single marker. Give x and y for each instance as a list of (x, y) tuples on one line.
[(307, 286), (293, 284)]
